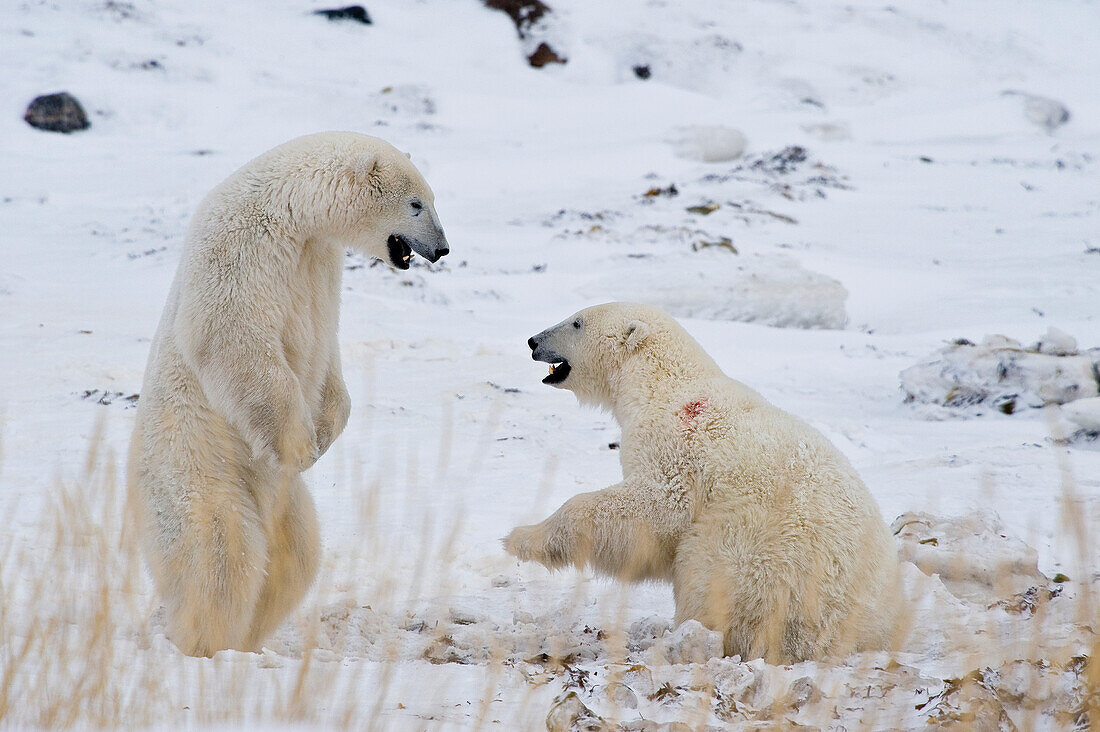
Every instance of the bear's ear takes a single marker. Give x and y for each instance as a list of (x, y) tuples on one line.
[(636, 333), (366, 166)]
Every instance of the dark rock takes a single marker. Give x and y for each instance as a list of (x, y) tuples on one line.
[(544, 55), (59, 112), (642, 71), (356, 13), (524, 13), (783, 162)]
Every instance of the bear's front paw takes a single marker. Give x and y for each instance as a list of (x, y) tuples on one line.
[(522, 543), (298, 448)]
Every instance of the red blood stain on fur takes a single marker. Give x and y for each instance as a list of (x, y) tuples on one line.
[(691, 411)]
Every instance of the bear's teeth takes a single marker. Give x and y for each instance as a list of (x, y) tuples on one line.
[(551, 368)]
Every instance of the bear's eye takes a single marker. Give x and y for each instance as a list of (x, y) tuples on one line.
[(577, 323), (416, 206)]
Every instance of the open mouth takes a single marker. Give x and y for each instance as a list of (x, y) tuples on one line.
[(558, 373), (399, 250)]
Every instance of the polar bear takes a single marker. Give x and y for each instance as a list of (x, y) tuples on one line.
[(764, 529), (243, 389)]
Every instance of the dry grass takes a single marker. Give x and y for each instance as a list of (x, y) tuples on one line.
[(81, 643)]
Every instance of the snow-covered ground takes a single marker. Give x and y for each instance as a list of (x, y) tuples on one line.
[(892, 198)]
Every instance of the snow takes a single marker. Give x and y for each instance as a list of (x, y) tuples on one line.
[(940, 194)]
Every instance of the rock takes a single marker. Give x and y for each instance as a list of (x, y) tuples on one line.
[(690, 643), (571, 714), (642, 71), (59, 112), (973, 556), (356, 13), (544, 55), (526, 14), (708, 143), (783, 162)]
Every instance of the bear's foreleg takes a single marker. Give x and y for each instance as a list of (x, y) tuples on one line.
[(628, 531), (335, 409), (254, 388)]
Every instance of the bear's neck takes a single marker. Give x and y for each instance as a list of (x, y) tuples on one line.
[(648, 380)]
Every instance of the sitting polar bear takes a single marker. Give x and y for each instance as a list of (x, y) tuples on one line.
[(762, 526), (243, 390)]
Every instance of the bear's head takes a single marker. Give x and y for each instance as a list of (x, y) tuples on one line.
[(388, 210), (604, 348)]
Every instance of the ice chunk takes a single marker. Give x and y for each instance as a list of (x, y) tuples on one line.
[(1000, 373)]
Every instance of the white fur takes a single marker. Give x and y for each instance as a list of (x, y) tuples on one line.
[(762, 526), (243, 389)]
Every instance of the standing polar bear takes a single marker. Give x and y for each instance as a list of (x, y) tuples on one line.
[(762, 526), (243, 389)]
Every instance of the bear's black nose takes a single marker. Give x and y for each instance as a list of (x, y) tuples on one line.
[(532, 344), (439, 253)]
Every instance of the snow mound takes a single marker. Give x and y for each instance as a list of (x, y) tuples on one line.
[(972, 555), (769, 290), (708, 143), (1000, 373), (1085, 413)]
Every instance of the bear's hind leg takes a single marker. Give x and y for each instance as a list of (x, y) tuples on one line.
[(293, 555), (211, 570)]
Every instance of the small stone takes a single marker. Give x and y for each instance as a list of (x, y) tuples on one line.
[(356, 13), (544, 55), (704, 209), (642, 71), (59, 112)]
